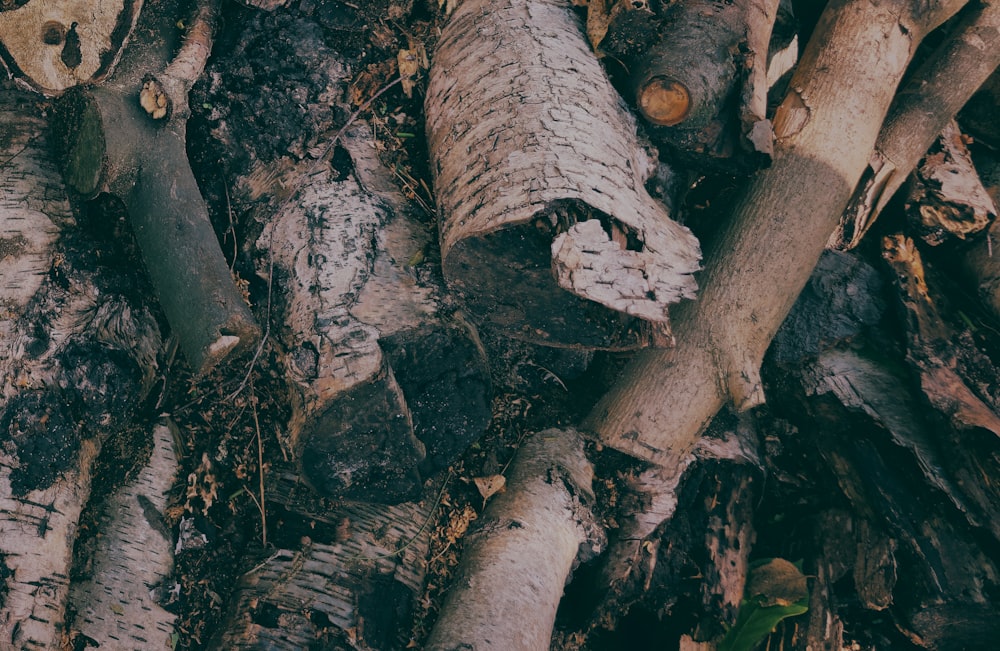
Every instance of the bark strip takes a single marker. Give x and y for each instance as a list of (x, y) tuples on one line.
[(524, 546), (826, 127), (546, 229)]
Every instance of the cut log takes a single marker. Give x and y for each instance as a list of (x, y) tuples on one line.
[(76, 358), (388, 382), (712, 57), (519, 555), (350, 581), (546, 229), (920, 112), (136, 150), (118, 603), (946, 200), (826, 127)]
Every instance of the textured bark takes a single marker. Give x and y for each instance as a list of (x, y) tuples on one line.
[(118, 604), (351, 581), (712, 59), (364, 337), (946, 199), (546, 229), (518, 559), (75, 360), (113, 144), (920, 112), (699, 523), (826, 127)]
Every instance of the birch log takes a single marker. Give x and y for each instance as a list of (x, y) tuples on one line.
[(519, 557), (117, 603), (826, 127), (546, 229), (76, 357), (350, 582)]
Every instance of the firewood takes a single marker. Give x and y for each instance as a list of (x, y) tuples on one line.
[(546, 230)]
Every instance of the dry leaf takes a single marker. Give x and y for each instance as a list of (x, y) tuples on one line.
[(777, 583), (490, 486), (409, 62)]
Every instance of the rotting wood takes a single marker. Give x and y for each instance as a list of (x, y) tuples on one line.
[(76, 358), (118, 603), (946, 199), (346, 576), (704, 85), (546, 229), (920, 112), (521, 550), (826, 127), (136, 150)]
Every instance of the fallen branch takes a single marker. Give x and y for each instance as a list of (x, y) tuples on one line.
[(826, 127), (920, 112), (136, 151), (546, 229), (522, 550)]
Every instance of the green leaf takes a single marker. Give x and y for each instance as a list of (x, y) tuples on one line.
[(755, 623)]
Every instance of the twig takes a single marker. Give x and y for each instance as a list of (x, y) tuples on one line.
[(260, 466)]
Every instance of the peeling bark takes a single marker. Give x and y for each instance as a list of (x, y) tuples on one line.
[(827, 126), (529, 142), (946, 200), (920, 112), (518, 559)]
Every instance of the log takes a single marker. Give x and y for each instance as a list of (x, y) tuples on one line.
[(137, 152), (826, 127), (346, 577), (116, 603), (521, 551), (388, 382), (77, 356), (703, 86), (946, 199), (546, 230), (920, 112)]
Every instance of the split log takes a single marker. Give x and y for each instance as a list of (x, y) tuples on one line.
[(342, 578), (520, 552), (920, 112), (127, 137), (76, 358), (826, 127), (117, 602), (946, 199), (546, 229), (704, 85)]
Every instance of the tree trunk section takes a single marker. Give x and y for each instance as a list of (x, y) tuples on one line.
[(518, 559), (546, 229), (826, 127)]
